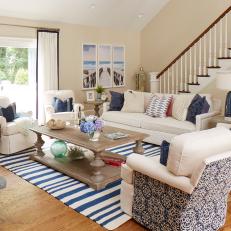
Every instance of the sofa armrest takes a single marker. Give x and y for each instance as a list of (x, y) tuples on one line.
[(154, 169), (106, 106), (2, 122), (49, 109), (203, 120), (26, 114)]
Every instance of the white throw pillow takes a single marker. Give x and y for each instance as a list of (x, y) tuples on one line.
[(158, 106), (180, 106), (133, 102), (187, 151)]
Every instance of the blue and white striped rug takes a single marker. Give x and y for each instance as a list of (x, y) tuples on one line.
[(101, 206)]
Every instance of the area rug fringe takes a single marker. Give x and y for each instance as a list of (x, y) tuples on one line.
[(101, 206)]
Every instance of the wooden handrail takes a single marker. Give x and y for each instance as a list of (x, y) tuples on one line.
[(196, 40)]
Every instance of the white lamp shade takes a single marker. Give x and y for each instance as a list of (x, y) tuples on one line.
[(223, 80)]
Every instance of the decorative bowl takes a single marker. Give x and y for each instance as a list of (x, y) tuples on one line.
[(56, 124)]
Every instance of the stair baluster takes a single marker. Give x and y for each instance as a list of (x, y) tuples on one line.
[(215, 45), (195, 63), (190, 66), (210, 48), (177, 76), (226, 36), (185, 73), (181, 74), (168, 81), (221, 38), (200, 57), (205, 55)]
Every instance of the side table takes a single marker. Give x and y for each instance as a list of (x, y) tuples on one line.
[(97, 104)]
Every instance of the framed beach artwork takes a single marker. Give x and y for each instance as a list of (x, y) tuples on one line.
[(89, 63), (118, 66), (105, 66)]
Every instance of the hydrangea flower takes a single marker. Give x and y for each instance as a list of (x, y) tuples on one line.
[(91, 124)]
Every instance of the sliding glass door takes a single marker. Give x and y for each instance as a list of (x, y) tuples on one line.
[(18, 72)]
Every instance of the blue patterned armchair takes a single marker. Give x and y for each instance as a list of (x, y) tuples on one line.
[(160, 200)]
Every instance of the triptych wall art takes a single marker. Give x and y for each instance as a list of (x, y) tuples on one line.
[(103, 65)]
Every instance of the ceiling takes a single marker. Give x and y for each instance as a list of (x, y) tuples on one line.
[(120, 14)]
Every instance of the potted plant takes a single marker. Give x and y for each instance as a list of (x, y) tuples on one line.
[(99, 90), (75, 153)]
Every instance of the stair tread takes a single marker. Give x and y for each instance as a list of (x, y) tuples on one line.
[(213, 67), (203, 75), (196, 84), (184, 91), (224, 58)]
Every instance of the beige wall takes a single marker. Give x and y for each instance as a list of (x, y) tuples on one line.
[(174, 28), (71, 39)]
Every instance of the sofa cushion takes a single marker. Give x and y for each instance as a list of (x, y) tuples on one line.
[(187, 151), (147, 98), (133, 102), (180, 106), (126, 118), (168, 125)]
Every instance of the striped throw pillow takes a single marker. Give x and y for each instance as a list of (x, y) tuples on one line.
[(158, 106)]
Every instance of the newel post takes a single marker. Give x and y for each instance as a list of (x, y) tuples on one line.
[(154, 82)]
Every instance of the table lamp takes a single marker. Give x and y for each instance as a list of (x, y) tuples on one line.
[(223, 81)]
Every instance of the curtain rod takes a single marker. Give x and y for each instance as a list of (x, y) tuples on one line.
[(31, 27)]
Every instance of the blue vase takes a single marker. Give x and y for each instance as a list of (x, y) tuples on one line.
[(58, 149)]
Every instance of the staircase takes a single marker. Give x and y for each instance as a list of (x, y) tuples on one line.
[(197, 66)]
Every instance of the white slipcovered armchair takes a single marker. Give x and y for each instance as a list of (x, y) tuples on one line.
[(62, 95), (190, 193), (15, 135)]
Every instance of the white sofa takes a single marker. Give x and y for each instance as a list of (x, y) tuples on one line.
[(194, 185), (159, 129), (15, 135), (63, 95)]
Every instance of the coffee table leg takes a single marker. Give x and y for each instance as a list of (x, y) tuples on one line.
[(39, 143), (138, 148), (97, 164)]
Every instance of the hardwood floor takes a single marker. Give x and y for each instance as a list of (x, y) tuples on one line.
[(24, 207)]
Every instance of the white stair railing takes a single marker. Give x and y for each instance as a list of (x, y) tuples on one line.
[(194, 61)]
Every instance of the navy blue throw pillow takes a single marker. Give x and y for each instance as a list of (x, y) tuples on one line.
[(9, 113), (62, 106), (198, 106), (164, 149), (117, 101)]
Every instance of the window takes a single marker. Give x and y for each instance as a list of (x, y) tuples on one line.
[(17, 72)]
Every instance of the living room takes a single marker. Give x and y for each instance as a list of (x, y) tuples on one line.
[(115, 115)]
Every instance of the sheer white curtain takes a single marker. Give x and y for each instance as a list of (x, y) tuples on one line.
[(47, 67)]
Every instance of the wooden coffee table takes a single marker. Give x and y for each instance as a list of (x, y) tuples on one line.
[(92, 172)]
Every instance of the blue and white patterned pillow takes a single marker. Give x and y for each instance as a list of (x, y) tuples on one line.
[(158, 106)]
